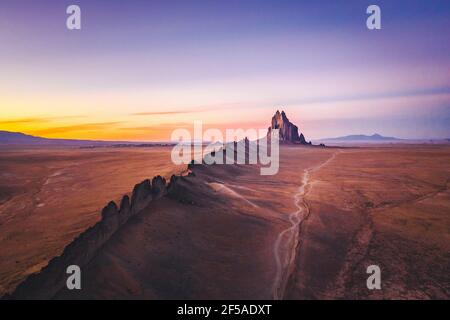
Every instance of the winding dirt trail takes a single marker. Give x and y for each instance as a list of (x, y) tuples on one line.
[(290, 237)]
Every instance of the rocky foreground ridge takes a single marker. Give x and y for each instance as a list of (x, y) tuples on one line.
[(52, 278)]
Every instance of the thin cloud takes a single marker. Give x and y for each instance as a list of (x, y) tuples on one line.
[(23, 121), (375, 96), (158, 113), (158, 126), (203, 108), (76, 128), (32, 120)]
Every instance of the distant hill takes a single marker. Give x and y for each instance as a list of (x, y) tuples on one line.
[(7, 137), (361, 137), (21, 139)]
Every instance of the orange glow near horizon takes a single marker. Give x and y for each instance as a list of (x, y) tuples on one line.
[(161, 71), (143, 125)]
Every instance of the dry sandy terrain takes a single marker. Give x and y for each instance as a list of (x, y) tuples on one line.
[(49, 196), (307, 233), (216, 240), (386, 206)]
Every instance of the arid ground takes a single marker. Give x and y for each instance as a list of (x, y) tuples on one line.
[(308, 232), (386, 206), (49, 196)]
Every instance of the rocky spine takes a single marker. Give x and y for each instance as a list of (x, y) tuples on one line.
[(52, 278)]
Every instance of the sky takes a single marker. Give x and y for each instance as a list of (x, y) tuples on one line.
[(137, 70)]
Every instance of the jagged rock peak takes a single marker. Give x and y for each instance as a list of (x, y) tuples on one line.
[(159, 187), (125, 203), (141, 190), (288, 131), (110, 210), (142, 195)]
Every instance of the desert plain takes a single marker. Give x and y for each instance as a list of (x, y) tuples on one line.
[(227, 232), (49, 195)]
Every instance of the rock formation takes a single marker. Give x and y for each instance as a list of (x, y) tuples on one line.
[(159, 188), (142, 196), (52, 278), (288, 131)]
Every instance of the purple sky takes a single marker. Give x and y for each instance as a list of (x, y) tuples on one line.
[(137, 66)]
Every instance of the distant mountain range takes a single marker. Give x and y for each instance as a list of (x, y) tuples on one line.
[(361, 137), (8, 138), (20, 139)]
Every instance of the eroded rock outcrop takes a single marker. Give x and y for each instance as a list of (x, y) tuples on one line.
[(125, 209), (142, 196), (159, 188), (52, 278), (288, 131)]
